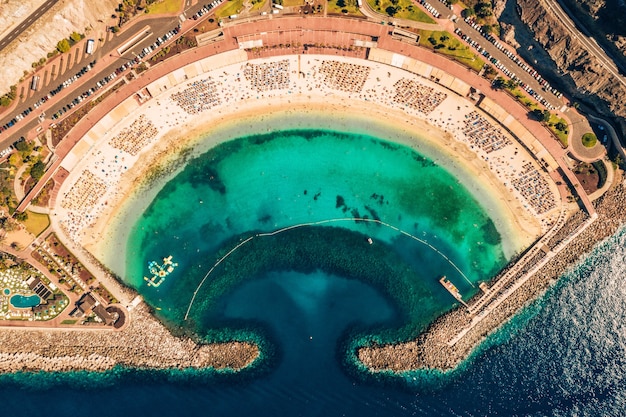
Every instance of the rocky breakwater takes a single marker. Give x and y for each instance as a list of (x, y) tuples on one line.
[(431, 348), (588, 80), (145, 343)]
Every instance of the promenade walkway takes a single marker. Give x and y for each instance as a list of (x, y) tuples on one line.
[(508, 284), (308, 27)]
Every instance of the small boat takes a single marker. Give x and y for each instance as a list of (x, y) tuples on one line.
[(369, 240)]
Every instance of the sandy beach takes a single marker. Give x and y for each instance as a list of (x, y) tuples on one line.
[(222, 104)]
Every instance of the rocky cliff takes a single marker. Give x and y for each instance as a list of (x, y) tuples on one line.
[(604, 18), (578, 72)]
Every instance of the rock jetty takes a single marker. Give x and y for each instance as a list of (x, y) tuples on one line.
[(432, 349), (144, 343)]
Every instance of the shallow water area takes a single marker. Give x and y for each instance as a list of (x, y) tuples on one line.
[(267, 184), (562, 356)]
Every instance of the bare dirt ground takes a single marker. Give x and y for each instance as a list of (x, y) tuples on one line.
[(67, 16), (12, 12)]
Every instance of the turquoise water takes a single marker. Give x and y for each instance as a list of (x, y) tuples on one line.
[(7, 291), (21, 301), (422, 223), (562, 356)]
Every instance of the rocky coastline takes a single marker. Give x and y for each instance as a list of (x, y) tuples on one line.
[(145, 343), (585, 78), (430, 350)]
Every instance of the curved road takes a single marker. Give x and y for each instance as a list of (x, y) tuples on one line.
[(26, 23)]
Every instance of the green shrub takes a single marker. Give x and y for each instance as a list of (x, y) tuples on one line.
[(63, 46), (589, 140)]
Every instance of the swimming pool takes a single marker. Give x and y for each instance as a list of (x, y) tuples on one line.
[(21, 301)]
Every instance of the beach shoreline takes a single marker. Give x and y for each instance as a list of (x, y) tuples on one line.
[(432, 350), (203, 135), (103, 228)]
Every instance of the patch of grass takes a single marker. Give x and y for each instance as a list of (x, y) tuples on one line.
[(350, 6), (446, 44), (231, 7), (69, 321), (554, 123), (562, 137), (519, 95), (589, 140), (258, 5), (165, 7), (293, 3), (405, 9), (36, 222)]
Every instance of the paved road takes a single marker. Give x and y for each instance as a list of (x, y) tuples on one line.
[(589, 43), (498, 54), (608, 128), (579, 125), (446, 14), (106, 64), (26, 23)]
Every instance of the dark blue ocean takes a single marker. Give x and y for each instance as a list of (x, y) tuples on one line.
[(561, 356)]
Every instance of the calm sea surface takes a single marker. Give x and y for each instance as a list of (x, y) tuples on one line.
[(312, 293)]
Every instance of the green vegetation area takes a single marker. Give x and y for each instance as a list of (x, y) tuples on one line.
[(482, 12), (348, 7), (36, 223), (7, 197), (523, 98), (7, 99), (291, 3), (557, 125), (69, 321), (26, 153), (602, 172), (257, 4), (589, 140), (446, 44), (403, 9), (164, 7), (230, 8), (66, 44)]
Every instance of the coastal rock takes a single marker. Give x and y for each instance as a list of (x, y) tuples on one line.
[(507, 34), (146, 343), (431, 350), (587, 80)]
